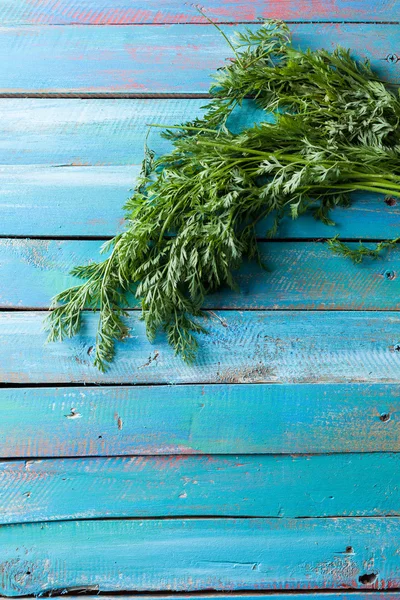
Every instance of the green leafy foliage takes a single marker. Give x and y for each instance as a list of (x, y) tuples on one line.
[(193, 215), (358, 254)]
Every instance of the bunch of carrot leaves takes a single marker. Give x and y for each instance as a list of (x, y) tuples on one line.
[(193, 216)]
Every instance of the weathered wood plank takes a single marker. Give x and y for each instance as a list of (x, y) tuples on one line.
[(148, 59), (353, 595), (62, 201), (84, 133), (254, 347), (72, 201), (125, 12), (199, 419), (102, 142), (227, 486), (300, 276), (196, 554), (87, 201)]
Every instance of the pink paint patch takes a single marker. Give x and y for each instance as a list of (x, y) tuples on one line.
[(294, 10), (69, 12), (123, 80)]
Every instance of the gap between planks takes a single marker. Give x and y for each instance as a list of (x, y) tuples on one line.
[(264, 240), (216, 22), (245, 594), (392, 593), (327, 593), (110, 95)]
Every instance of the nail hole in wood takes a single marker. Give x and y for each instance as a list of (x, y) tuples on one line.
[(349, 550), (368, 578), (390, 201), (389, 275), (385, 417)]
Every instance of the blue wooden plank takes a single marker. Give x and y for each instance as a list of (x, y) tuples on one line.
[(300, 276), (242, 347), (87, 201), (200, 554), (199, 419), (234, 486), (101, 141), (148, 59), (82, 133), (310, 595), (64, 201), (126, 12)]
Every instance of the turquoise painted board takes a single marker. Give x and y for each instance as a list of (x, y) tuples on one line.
[(242, 347), (126, 12), (71, 132), (225, 486), (200, 554), (99, 519), (353, 595), (84, 59), (300, 276), (100, 144), (87, 201), (69, 201), (199, 419)]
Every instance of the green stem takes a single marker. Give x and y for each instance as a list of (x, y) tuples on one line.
[(354, 186), (297, 159), (228, 41), (385, 185), (288, 158), (200, 129), (384, 177)]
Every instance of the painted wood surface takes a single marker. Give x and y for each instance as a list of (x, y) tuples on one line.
[(87, 201), (72, 201), (199, 419), (253, 347), (225, 486), (200, 554), (300, 276), (76, 132), (66, 168), (100, 142), (126, 12), (321, 595), (148, 59)]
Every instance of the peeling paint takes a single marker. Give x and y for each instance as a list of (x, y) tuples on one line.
[(74, 414)]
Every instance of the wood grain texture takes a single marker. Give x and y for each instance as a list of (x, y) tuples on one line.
[(225, 486), (300, 276), (70, 201), (148, 59), (87, 201), (124, 12), (352, 595), (199, 419), (100, 142), (200, 554), (82, 133), (253, 347)]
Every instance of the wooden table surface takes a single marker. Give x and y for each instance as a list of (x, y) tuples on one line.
[(271, 465)]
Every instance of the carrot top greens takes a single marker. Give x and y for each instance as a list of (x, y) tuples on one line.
[(193, 214)]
